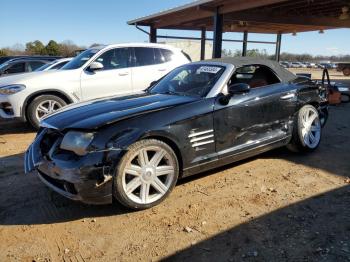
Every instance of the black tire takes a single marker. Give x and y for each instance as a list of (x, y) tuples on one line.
[(345, 98), (323, 115), (32, 107), (297, 143), (119, 193), (346, 71)]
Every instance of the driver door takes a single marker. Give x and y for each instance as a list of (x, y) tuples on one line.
[(239, 124), (113, 79), (255, 118)]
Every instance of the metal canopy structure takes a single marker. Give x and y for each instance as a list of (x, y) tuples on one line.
[(248, 16)]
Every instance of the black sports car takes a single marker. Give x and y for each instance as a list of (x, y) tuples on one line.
[(200, 116)]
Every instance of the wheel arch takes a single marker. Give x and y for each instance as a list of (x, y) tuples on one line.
[(55, 92), (167, 139), (315, 104)]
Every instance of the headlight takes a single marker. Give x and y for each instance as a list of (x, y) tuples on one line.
[(77, 142), (11, 89)]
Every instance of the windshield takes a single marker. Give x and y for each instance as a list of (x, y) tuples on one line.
[(81, 59), (3, 65), (43, 67), (189, 80)]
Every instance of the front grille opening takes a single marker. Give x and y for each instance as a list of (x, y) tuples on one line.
[(49, 140), (7, 108), (61, 184)]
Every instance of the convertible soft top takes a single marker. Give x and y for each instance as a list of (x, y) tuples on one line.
[(282, 73)]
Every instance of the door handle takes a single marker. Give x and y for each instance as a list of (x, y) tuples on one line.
[(286, 97), (162, 69), (124, 74)]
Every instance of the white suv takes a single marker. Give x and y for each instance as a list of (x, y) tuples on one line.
[(97, 72)]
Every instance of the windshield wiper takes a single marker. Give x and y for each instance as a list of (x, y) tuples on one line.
[(170, 93)]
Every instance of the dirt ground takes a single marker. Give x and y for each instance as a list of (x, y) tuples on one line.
[(279, 206)]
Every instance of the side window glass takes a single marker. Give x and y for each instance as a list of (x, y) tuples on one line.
[(255, 76), (114, 59), (159, 59), (32, 66), (144, 56), (16, 68), (167, 55), (243, 75)]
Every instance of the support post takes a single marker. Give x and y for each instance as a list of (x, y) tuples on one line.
[(153, 35), (245, 43), (203, 37), (278, 47), (218, 26)]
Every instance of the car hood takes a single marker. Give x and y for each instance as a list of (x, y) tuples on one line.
[(97, 113), (39, 77)]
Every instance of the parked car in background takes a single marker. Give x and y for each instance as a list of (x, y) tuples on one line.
[(295, 65), (200, 116), (312, 65), (4, 59), (345, 68), (334, 65), (18, 65), (285, 64), (303, 65), (97, 72), (21, 65), (326, 65), (54, 65)]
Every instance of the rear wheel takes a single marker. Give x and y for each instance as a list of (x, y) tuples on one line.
[(146, 174), (345, 98), (307, 130), (41, 106), (346, 71)]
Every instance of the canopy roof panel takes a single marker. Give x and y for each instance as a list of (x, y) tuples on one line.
[(256, 16)]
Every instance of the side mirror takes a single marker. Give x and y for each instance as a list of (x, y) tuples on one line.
[(239, 88), (95, 66), (153, 83)]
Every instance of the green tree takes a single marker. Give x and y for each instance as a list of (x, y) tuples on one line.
[(35, 48), (52, 48)]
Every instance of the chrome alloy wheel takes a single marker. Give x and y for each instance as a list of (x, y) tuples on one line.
[(46, 107), (311, 127), (149, 175)]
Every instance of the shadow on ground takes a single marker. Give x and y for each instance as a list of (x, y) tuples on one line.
[(14, 127), (317, 229)]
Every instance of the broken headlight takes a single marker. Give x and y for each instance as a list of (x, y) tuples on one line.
[(77, 142)]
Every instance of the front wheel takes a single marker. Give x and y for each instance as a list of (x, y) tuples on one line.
[(146, 174), (346, 71), (307, 130), (41, 106)]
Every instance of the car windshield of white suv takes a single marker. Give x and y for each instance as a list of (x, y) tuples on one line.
[(3, 65), (81, 59), (42, 68), (189, 80)]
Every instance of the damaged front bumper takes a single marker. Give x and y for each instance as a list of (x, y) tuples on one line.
[(87, 179)]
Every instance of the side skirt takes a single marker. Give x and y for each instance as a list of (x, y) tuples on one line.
[(235, 157)]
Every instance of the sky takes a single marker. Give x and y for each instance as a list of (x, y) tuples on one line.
[(105, 21)]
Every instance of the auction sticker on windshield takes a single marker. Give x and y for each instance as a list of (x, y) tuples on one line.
[(208, 69)]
